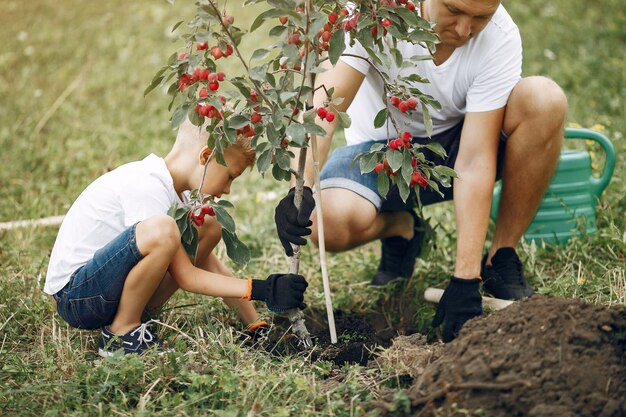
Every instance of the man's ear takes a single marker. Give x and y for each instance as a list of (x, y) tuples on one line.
[(204, 155)]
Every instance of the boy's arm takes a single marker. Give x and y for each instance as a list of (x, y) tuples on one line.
[(279, 291), (245, 309)]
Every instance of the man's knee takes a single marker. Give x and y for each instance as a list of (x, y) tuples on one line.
[(540, 96), (159, 231)]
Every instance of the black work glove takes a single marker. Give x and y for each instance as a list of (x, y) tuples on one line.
[(460, 302), (291, 223), (280, 292)]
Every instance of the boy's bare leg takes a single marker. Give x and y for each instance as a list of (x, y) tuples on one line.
[(158, 239), (534, 122), (350, 221)]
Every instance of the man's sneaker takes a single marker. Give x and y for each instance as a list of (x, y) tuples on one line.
[(399, 254), (137, 341), (504, 278)]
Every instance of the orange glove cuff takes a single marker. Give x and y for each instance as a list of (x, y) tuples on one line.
[(248, 295), (256, 325)]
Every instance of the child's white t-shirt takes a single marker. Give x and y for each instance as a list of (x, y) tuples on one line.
[(477, 77), (108, 206)]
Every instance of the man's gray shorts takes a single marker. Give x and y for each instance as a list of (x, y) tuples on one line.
[(340, 172)]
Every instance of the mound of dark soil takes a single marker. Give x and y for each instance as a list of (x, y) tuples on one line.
[(541, 357)]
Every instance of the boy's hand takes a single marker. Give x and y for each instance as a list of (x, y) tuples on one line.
[(291, 223), (280, 292), (460, 302)]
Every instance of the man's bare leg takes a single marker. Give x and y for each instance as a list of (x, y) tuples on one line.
[(534, 124)]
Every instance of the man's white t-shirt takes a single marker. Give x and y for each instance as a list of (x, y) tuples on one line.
[(477, 77), (108, 206)]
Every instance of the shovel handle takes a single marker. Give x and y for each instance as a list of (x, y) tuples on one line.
[(434, 295)]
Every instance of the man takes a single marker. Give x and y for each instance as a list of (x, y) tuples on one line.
[(492, 122)]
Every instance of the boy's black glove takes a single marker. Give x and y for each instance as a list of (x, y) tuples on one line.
[(280, 292), (460, 302), (291, 223)]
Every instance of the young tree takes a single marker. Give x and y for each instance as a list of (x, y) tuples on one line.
[(272, 101)]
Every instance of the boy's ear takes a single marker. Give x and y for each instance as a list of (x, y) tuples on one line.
[(204, 155)]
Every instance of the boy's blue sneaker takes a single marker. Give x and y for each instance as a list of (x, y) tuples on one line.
[(138, 340), (504, 278), (399, 254)]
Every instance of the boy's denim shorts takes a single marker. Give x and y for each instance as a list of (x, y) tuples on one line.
[(90, 299), (340, 172)]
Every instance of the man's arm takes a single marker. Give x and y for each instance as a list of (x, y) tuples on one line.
[(473, 190), (346, 82)]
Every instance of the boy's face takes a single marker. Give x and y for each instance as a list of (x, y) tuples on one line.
[(219, 177), (457, 21)]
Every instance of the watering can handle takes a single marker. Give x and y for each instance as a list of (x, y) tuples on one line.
[(597, 184)]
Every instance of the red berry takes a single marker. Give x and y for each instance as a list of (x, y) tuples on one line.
[(326, 36), (403, 107), (228, 20), (344, 12), (393, 144), (207, 209), (284, 143), (203, 93), (374, 31), (283, 19), (412, 102), (394, 101), (418, 178), (214, 86), (330, 116), (321, 112), (198, 220), (406, 137), (386, 23), (413, 161), (294, 38), (204, 74), (332, 17), (410, 6), (379, 167), (255, 118), (220, 76), (216, 52), (202, 46), (229, 50), (183, 56)]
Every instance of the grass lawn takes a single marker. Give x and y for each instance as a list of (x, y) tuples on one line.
[(72, 76)]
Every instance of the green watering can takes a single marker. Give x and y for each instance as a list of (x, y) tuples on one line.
[(572, 194)]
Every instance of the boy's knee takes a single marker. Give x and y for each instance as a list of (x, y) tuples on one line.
[(211, 230), (159, 231)]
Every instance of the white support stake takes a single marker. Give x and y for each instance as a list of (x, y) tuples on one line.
[(322, 243)]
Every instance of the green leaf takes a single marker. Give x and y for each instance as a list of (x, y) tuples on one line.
[(223, 203), (260, 54), (344, 120), (190, 242), (278, 31), (280, 174), (436, 148), (235, 248), (179, 115), (428, 121), (394, 158), (296, 133), (238, 121), (282, 158), (177, 25), (377, 147), (337, 45), (383, 183), (224, 218), (314, 129), (409, 16), (259, 73), (368, 162), (407, 169), (444, 170), (381, 118), (264, 160), (404, 189), (154, 84)]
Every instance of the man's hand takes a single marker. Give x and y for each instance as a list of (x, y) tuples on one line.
[(291, 223), (280, 292), (460, 302)]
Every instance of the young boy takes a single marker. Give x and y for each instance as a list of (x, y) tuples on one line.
[(118, 253)]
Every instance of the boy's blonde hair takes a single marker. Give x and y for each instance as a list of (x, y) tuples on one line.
[(195, 137)]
